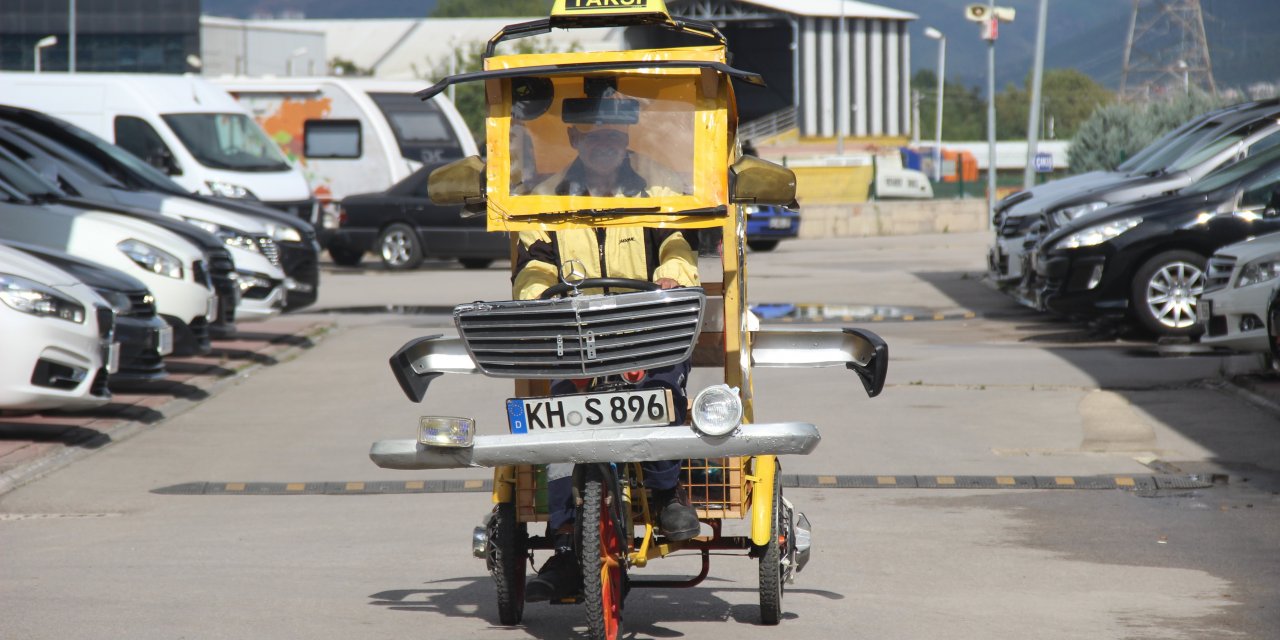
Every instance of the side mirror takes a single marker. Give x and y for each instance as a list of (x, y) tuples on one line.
[(756, 181), (459, 182)]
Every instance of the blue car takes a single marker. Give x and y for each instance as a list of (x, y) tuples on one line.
[(767, 225)]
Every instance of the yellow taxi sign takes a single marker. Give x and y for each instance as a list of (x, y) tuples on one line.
[(592, 12)]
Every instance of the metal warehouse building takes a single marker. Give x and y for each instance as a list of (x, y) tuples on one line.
[(852, 78)]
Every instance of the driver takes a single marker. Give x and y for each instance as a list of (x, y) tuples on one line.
[(604, 167)]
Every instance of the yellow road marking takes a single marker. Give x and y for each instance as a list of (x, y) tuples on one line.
[(355, 486), (473, 484), (295, 486), (1005, 480), (908, 318), (877, 318), (946, 480), (969, 315), (1124, 482), (415, 484), (939, 316), (826, 479), (235, 486), (886, 480), (1065, 481)]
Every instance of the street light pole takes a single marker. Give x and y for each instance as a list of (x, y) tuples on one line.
[(991, 113), (1033, 116), (43, 43), (843, 69), (71, 36), (934, 34)]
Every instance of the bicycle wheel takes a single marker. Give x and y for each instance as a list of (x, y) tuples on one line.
[(508, 557), (771, 573), (602, 552)]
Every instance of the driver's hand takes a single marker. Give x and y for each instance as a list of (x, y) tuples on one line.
[(666, 283)]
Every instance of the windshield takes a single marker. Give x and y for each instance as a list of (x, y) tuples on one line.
[(630, 137), (24, 180), (125, 166), (1235, 172), (231, 141), (1167, 154), (45, 148), (1139, 158)]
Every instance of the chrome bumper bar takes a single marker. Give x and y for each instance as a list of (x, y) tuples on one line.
[(424, 359), (599, 445)]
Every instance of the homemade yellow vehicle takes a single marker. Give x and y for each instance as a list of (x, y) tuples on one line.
[(676, 109)]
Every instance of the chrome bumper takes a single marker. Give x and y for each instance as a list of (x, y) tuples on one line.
[(600, 445)]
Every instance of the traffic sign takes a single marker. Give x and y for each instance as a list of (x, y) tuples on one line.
[(1044, 162)]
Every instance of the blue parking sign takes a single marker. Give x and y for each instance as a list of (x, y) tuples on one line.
[(1044, 162)]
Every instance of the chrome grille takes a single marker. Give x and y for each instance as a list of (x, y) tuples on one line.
[(141, 304), (1218, 273), (269, 249), (583, 336)]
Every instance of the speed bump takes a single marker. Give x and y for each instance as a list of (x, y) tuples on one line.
[(797, 481)]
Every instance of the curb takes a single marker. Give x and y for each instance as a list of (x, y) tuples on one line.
[(122, 428)]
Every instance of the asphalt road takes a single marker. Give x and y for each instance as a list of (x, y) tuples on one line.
[(108, 548)]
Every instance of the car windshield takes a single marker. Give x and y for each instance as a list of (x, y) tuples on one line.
[(1166, 155), (40, 146), (230, 141), (570, 138), (14, 172), (1235, 172), (1140, 158), (121, 164)]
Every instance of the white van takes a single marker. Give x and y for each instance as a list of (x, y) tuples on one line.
[(182, 125), (354, 135)]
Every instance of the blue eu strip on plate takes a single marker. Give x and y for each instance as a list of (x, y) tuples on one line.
[(516, 417)]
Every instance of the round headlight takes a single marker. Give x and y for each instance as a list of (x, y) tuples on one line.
[(717, 411)]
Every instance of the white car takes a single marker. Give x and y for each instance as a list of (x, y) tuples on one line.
[(1241, 281), (56, 337)]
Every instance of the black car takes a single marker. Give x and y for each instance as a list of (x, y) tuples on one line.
[(1147, 259), (294, 238), (144, 337), (403, 226)]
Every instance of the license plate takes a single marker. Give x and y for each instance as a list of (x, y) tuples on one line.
[(164, 340), (211, 312), (113, 357), (619, 409), (779, 223), (1204, 311)]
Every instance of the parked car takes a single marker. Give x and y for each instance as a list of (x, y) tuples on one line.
[(56, 337), (295, 239), (767, 225), (1147, 259), (172, 268), (1242, 280), (144, 338), (403, 226), (182, 125), (353, 135), (1171, 163), (259, 277)]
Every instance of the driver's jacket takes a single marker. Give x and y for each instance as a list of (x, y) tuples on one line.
[(614, 252)]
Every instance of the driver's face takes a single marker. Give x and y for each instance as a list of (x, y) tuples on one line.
[(602, 150)]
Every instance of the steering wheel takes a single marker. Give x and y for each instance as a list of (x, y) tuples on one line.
[(599, 283)]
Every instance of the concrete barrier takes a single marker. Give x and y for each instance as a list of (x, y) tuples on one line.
[(892, 218)]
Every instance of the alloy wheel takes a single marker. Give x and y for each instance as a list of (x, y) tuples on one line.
[(396, 248), (1173, 292)]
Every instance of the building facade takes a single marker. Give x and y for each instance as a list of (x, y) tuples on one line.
[(142, 36)]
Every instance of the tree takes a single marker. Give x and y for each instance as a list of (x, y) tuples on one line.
[(343, 67), (491, 8), (963, 109), (1117, 131), (1067, 95)]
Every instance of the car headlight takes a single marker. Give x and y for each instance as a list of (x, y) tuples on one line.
[(119, 302), (249, 280), (153, 259), (284, 234), (29, 296), (229, 190), (230, 236), (717, 410), (1098, 233), (1263, 269), (1067, 214)]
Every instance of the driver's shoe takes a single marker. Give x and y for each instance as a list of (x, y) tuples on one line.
[(676, 520), (558, 578)]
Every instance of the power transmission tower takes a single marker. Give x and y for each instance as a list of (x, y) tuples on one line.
[(1166, 49)]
